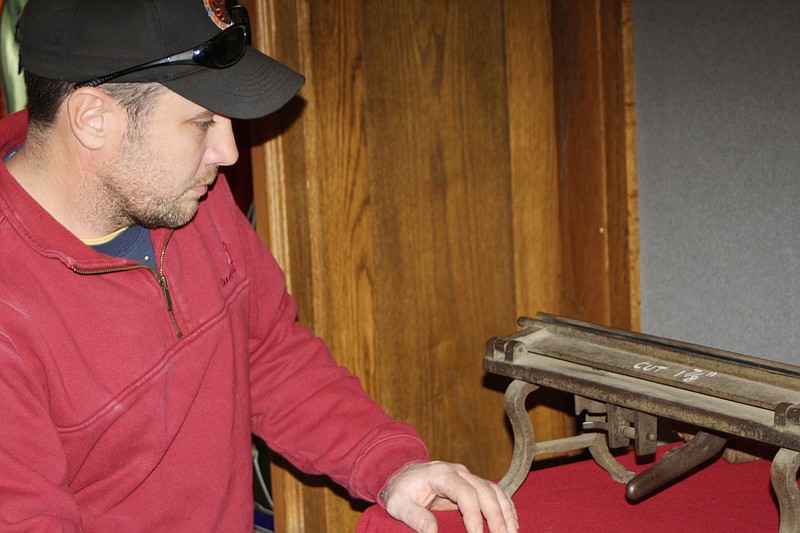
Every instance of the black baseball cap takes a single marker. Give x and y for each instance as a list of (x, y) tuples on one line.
[(76, 40)]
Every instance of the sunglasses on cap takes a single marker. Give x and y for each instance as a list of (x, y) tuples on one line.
[(221, 51)]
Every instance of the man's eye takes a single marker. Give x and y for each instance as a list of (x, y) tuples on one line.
[(205, 124)]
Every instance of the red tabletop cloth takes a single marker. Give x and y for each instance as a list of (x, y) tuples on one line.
[(581, 497)]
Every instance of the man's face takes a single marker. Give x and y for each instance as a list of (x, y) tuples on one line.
[(164, 166)]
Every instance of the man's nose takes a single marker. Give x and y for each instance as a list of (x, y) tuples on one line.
[(221, 150)]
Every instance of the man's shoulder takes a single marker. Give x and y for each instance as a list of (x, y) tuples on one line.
[(13, 129)]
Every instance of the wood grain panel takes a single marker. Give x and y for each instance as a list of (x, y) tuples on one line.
[(409, 243), (437, 131), (339, 211)]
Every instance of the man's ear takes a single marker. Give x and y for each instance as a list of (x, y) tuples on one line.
[(94, 117)]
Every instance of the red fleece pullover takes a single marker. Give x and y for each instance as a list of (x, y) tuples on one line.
[(128, 395)]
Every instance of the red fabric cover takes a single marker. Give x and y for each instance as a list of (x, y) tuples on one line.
[(723, 497)]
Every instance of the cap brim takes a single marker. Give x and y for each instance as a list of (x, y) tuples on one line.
[(254, 87)]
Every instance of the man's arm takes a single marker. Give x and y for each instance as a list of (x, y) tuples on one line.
[(305, 406), (33, 492), (316, 414)]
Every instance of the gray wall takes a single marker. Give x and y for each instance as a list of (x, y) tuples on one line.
[(718, 138)]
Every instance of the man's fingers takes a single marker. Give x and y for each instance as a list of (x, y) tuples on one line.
[(481, 499), (477, 499), (506, 505)]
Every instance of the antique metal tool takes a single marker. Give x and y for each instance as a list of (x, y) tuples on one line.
[(624, 382)]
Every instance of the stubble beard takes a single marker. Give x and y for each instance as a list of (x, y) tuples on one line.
[(130, 196), (153, 212)]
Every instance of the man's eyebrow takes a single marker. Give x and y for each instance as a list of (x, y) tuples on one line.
[(204, 114)]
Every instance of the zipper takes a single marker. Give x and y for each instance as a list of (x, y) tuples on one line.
[(159, 274), (162, 280)]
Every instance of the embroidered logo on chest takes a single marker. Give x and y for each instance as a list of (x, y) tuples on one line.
[(223, 281)]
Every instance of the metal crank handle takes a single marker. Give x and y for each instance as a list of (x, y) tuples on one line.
[(674, 463)]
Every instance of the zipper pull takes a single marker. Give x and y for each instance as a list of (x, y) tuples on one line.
[(162, 280)]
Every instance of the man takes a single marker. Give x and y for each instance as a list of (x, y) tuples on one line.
[(145, 332)]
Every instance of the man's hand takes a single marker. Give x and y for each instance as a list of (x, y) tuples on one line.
[(414, 491)]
